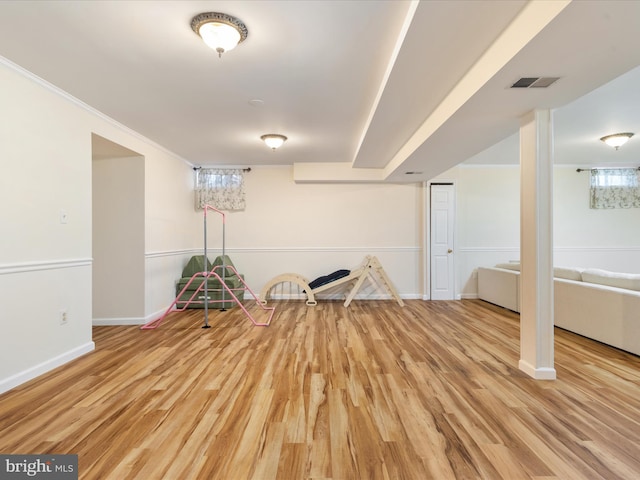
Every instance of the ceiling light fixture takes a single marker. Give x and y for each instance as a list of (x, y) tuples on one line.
[(219, 31), (273, 140), (617, 139)]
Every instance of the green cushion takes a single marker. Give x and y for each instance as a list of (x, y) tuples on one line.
[(195, 265), (218, 262), (215, 290)]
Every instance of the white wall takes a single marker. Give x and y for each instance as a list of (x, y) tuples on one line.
[(45, 264), (173, 231), (488, 220), (310, 229), (488, 228), (315, 229), (597, 238), (118, 238)]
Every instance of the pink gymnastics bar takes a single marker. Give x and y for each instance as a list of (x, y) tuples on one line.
[(156, 323)]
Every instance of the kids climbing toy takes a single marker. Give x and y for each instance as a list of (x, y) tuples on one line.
[(357, 277)]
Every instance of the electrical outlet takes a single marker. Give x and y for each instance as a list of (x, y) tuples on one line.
[(64, 317)]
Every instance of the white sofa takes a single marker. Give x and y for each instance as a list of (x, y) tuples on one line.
[(500, 285), (597, 304)]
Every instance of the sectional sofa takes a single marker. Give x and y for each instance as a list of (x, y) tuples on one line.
[(598, 304)]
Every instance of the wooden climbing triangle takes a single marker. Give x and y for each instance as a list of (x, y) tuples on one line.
[(357, 277)]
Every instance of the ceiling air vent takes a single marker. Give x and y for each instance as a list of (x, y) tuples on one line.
[(535, 82)]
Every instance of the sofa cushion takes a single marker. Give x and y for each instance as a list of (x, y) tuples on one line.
[(558, 272), (630, 281), (509, 266), (568, 273)]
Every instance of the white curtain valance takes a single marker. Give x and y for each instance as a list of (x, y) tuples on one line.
[(615, 188), (222, 188)]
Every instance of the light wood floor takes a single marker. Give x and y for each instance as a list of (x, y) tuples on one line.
[(373, 391)]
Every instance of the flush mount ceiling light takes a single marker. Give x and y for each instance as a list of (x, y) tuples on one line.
[(273, 140), (219, 31), (617, 139)]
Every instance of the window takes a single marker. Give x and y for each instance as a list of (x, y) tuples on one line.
[(615, 188), (220, 188)]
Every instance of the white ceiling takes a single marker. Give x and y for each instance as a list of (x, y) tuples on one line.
[(373, 85)]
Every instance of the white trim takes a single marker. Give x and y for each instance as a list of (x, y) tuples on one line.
[(114, 322), (197, 251), (340, 296), (555, 249), (597, 249), (172, 253), (324, 249), (489, 249), (542, 373), (426, 242), (44, 265), (468, 296), (123, 321), (13, 381), (79, 103)]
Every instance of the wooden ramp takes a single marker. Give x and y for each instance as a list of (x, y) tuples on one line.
[(357, 277)]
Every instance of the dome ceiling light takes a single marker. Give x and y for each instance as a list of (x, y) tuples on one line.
[(273, 140), (219, 31), (617, 139)]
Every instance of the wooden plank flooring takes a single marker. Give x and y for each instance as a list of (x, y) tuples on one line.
[(373, 391)]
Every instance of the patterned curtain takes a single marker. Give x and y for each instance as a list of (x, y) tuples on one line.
[(220, 188), (615, 188)]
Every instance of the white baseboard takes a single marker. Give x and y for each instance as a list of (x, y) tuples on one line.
[(13, 381), (124, 321), (539, 373), (337, 296), (463, 296), (411, 296), (114, 322)]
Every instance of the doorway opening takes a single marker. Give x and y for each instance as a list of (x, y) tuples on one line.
[(118, 231)]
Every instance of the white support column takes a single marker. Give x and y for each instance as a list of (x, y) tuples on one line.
[(536, 245)]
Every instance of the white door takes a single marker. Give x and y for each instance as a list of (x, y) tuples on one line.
[(441, 226)]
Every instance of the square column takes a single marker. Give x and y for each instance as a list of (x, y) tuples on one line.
[(536, 245)]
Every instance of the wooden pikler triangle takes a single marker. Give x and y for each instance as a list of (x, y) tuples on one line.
[(369, 267)]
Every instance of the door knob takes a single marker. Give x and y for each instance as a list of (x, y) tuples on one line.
[(449, 251)]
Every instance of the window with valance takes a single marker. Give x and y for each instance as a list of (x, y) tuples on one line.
[(615, 188), (222, 188)]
